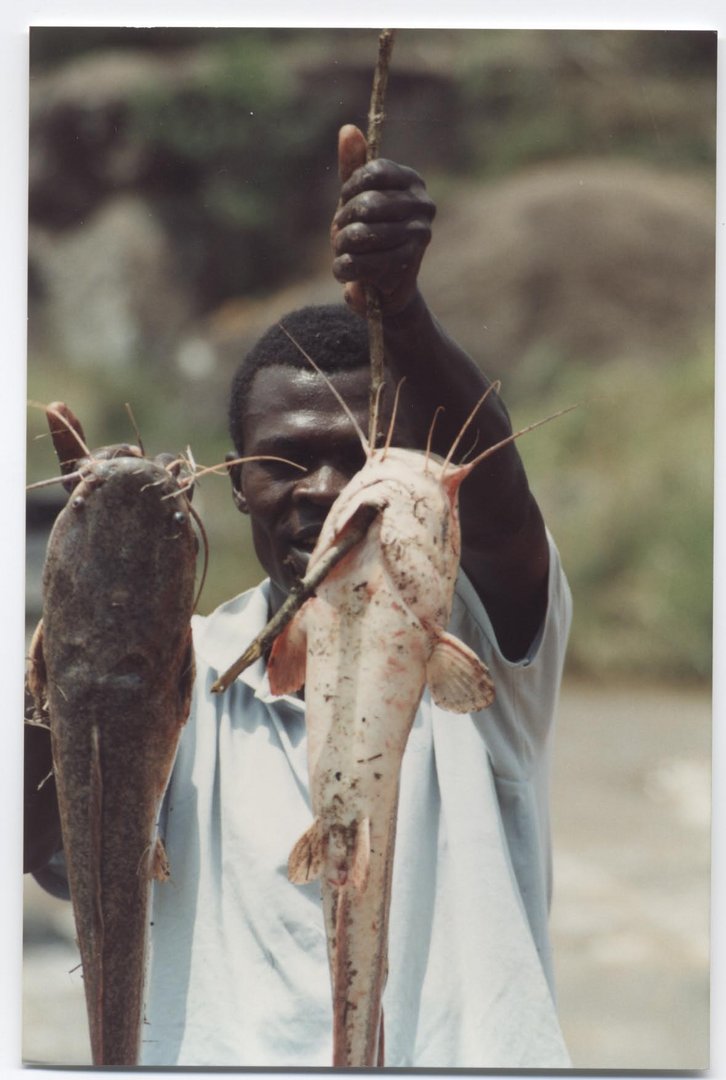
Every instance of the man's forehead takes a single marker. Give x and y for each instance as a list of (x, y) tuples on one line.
[(282, 395), (278, 385)]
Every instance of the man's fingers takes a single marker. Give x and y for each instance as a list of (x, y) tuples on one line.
[(352, 150), (363, 237), (381, 174), (382, 226), (386, 271), (380, 206)]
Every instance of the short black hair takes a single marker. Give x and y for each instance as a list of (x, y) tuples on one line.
[(335, 337)]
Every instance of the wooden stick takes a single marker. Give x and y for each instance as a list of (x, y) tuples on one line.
[(364, 516), (376, 114), (354, 533), (374, 314)]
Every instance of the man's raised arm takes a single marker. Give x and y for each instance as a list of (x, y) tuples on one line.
[(380, 233)]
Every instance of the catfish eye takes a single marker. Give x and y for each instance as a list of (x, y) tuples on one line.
[(180, 517)]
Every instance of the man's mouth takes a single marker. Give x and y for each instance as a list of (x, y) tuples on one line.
[(301, 548)]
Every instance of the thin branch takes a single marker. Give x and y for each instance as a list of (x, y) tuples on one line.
[(374, 314), (376, 114), (355, 532)]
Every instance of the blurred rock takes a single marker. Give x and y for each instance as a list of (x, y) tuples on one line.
[(81, 151), (107, 290), (580, 262)]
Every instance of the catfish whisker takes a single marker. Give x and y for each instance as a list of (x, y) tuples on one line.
[(495, 386), (205, 546), (470, 451), (132, 418), (221, 470), (466, 469), (77, 475), (364, 442), (439, 409), (389, 436)]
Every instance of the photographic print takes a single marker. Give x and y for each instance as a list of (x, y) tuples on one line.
[(456, 811)]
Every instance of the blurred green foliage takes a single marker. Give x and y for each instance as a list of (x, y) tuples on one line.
[(544, 95), (626, 482), (224, 153)]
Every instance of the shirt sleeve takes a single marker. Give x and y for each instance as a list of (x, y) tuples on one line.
[(517, 725)]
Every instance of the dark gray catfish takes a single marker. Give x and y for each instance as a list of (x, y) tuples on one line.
[(112, 670)]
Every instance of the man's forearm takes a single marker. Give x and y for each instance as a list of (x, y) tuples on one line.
[(504, 544), (440, 374)]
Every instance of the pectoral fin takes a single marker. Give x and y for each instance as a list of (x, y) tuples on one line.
[(361, 863), (36, 676), (459, 681), (306, 858), (159, 868), (286, 666)]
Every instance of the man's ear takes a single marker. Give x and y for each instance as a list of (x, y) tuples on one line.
[(235, 475)]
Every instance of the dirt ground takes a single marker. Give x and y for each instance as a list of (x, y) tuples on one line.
[(630, 917), (631, 819)]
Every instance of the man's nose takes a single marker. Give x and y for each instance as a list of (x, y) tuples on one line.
[(321, 485)]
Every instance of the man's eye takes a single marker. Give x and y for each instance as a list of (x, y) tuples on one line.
[(280, 469)]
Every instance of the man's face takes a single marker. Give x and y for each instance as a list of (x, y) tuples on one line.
[(293, 414)]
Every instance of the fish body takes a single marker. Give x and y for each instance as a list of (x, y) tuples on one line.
[(112, 669), (365, 646)]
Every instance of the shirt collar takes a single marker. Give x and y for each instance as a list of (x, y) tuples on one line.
[(222, 637)]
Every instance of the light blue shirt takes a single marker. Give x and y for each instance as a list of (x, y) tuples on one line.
[(238, 972)]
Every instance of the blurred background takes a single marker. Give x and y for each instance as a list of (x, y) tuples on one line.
[(181, 186)]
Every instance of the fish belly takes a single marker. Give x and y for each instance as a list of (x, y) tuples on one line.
[(360, 710)]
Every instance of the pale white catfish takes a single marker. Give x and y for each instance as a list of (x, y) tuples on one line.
[(365, 646)]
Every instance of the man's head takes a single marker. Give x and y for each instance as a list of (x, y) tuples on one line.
[(280, 406), (331, 334)]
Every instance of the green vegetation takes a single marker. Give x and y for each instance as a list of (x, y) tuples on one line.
[(627, 483), (543, 95), (223, 149)]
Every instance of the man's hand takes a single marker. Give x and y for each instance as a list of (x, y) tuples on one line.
[(382, 227)]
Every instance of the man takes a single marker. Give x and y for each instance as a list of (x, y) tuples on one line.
[(238, 970)]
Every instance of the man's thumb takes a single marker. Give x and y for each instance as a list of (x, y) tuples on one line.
[(352, 150)]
